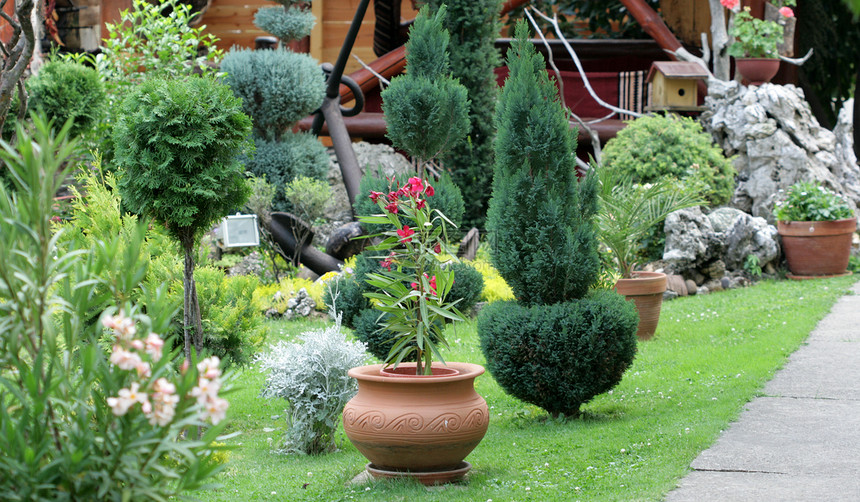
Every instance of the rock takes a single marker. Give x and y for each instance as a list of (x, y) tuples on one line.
[(715, 270), (676, 284), (844, 133), (669, 295), (300, 305), (703, 290), (726, 283), (723, 218), (690, 240), (691, 286), (777, 142), (698, 279), (751, 236), (715, 285), (342, 242)]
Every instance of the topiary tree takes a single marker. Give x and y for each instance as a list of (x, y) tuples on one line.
[(426, 109), (278, 88), (653, 147), (64, 90), (474, 26), (558, 344), (177, 143)]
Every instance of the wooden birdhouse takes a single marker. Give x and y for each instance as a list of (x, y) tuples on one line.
[(673, 85)]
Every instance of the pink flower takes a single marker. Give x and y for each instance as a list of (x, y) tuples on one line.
[(123, 326), (786, 11), (124, 359), (729, 4), (208, 368), (374, 196), (386, 264), (164, 399), (126, 399), (429, 191), (405, 234), (215, 410), (416, 185), (391, 208), (153, 346), (414, 285), (421, 204), (137, 344), (433, 283), (206, 390), (437, 248), (143, 370)]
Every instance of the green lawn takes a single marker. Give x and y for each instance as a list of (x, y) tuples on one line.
[(711, 355)]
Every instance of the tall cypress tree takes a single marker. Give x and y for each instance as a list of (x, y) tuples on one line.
[(474, 26)]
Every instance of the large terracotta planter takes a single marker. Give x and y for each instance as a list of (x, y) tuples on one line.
[(757, 71), (645, 289), (817, 248), (416, 426)]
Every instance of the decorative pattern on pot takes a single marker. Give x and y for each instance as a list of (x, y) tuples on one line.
[(417, 423)]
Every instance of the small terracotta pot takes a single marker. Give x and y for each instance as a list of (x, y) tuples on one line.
[(645, 289), (817, 248), (757, 71), (416, 423)]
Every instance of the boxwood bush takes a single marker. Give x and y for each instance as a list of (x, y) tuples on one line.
[(64, 90), (559, 356), (655, 146)]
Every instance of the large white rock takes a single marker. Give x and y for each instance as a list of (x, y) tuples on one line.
[(777, 141)]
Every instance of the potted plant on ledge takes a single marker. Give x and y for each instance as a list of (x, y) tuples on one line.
[(816, 226), (756, 41), (417, 419), (627, 213)]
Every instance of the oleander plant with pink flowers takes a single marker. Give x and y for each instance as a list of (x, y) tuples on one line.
[(412, 287), (93, 405)]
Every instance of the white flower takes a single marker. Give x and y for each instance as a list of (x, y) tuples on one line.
[(143, 370), (126, 399), (124, 359)]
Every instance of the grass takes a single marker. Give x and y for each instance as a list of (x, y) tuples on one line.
[(711, 355)]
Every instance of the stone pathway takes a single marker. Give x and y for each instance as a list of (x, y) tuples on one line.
[(801, 440)]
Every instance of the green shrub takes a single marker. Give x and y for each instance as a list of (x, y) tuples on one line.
[(379, 341), (655, 146), (556, 345), (468, 285), (474, 25), (232, 321), (64, 90), (278, 87), (446, 199), (309, 197), (350, 289), (291, 24), (294, 155), (559, 356)]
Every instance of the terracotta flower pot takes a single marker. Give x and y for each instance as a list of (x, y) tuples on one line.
[(423, 426), (645, 289), (757, 71), (817, 248)]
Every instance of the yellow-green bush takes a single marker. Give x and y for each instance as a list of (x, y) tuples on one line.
[(495, 288), (265, 294)]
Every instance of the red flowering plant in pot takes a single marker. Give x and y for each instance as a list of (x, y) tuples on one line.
[(756, 41), (417, 419), (816, 226)]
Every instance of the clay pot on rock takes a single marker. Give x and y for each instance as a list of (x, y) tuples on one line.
[(757, 71), (645, 289), (416, 426), (817, 248)]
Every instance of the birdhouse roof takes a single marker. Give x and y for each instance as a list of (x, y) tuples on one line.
[(677, 69)]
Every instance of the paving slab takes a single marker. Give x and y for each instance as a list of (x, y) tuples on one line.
[(801, 441), (764, 487)]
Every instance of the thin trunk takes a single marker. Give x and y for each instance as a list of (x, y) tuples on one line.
[(17, 55), (196, 317), (188, 303), (719, 41)]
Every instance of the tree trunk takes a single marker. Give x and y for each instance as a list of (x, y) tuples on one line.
[(719, 41), (188, 301), (856, 118), (19, 50)]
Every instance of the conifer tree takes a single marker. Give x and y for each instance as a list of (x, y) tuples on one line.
[(474, 26), (559, 343)]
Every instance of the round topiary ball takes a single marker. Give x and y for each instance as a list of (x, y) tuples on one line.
[(65, 90), (290, 24), (653, 147), (559, 356), (468, 285)]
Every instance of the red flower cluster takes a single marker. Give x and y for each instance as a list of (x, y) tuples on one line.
[(386, 263), (432, 283), (405, 234), (413, 188)]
